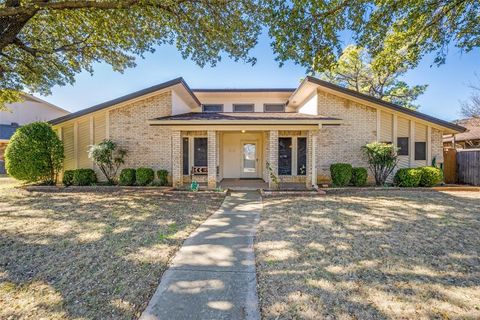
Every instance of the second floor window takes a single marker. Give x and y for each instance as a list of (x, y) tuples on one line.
[(273, 107), (212, 107), (243, 108)]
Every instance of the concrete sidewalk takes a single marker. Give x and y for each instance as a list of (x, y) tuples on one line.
[(213, 275)]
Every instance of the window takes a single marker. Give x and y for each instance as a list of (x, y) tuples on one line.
[(243, 108), (272, 107), (420, 151), (200, 152), (212, 107), (402, 144), (186, 163), (284, 156), (301, 156)]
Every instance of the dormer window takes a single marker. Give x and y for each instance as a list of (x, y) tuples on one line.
[(243, 108), (273, 107), (212, 107)]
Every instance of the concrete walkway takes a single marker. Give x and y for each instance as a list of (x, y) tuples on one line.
[(213, 275)]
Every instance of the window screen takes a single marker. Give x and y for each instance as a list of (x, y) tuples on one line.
[(420, 151), (243, 108), (200, 152), (301, 156), (284, 156), (274, 108), (402, 144), (185, 157), (212, 107)]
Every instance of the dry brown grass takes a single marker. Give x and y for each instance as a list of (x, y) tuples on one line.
[(370, 255), (89, 255)]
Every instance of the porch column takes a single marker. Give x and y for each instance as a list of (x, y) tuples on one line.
[(212, 158), (177, 176), (273, 156), (311, 180)]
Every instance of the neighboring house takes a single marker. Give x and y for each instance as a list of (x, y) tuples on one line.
[(469, 139), (29, 110), (234, 133)]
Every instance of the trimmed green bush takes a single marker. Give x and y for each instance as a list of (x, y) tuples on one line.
[(408, 177), (162, 177), (34, 154), (127, 177), (68, 178), (144, 176), (84, 177), (341, 174), (359, 177), (430, 176)]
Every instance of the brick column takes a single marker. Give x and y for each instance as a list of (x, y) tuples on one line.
[(177, 174), (212, 159), (311, 179), (273, 155)]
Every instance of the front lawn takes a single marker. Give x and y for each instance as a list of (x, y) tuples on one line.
[(89, 255), (370, 255)]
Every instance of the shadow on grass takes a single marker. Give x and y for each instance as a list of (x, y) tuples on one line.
[(371, 255), (96, 256)]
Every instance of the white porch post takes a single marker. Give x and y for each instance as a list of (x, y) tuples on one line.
[(177, 175), (273, 156), (212, 158)]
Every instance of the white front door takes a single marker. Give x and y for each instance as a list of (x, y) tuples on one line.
[(249, 160)]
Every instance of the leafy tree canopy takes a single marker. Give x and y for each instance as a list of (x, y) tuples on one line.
[(45, 43), (357, 70), (309, 31)]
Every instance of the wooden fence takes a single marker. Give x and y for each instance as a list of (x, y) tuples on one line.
[(468, 166), (450, 165)]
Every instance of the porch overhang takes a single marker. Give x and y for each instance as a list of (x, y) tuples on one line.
[(245, 121)]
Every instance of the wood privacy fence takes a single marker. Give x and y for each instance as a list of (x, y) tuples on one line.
[(468, 166), (450, 165)]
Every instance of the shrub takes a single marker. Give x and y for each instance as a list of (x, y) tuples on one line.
[(127, 177), (341, 174), (162, 177), (108, 157), (382, 159), (144, 176), (34, 154), (68, 178), (408, 177), (430, 176), (359, 177), (84, 177)]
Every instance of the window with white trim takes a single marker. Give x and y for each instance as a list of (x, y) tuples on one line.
[(243, 108), (212, 107), (292, 156)]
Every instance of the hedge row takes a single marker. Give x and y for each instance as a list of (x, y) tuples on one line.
[(418, 177), (344, 174), (79, 177), (142, 177)]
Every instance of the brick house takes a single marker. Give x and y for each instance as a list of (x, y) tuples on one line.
[(222, 134)]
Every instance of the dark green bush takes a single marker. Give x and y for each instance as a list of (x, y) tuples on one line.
[(341, 174), (84, 177), (144, 176), (68, 178), (162, 177), (408, 177), (359, 177), (430, 176), (127, 177), (34, 154)]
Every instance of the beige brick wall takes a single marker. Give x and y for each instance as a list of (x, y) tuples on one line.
[(437, 146), (343, 143), (147, 146)]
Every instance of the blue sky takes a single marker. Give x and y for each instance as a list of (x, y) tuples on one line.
[(448, 84)]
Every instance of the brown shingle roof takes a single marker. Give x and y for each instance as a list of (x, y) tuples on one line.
[(473, 129), (244, 116)]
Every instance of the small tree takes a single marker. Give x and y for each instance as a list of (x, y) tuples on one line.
[(382, 159), (35, 154), (108, 157)]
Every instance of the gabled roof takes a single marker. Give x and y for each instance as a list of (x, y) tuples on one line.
[(388, 105), (126, 98), (473, 129), (244, 116)]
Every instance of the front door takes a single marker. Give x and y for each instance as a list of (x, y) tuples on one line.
[(249, 160)]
